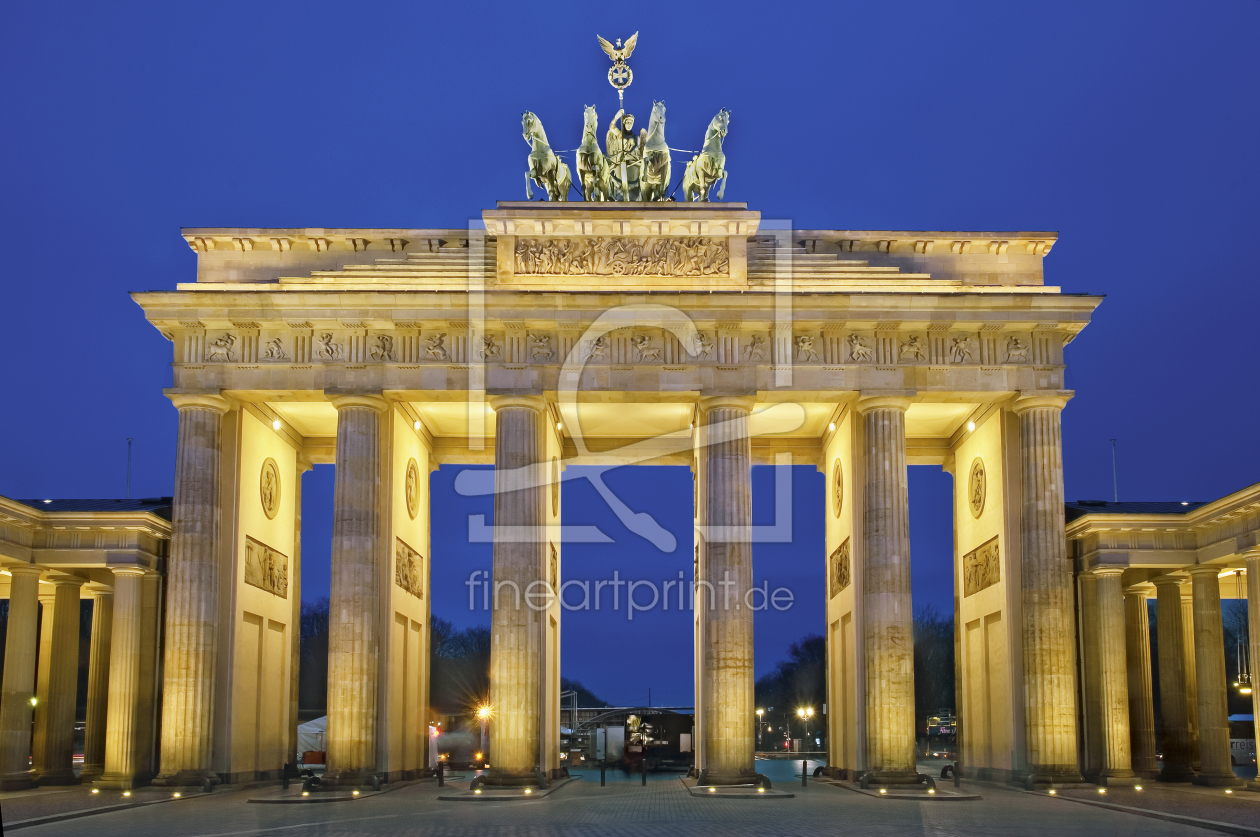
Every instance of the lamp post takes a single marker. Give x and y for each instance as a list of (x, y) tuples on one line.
[(805, 713), (761, 715), (483, 715)]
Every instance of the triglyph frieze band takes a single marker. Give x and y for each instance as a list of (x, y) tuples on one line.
[(680, 257)]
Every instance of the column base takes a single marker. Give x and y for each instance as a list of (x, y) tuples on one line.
[(893, 777), (742, 776), (1047, 775), (186, 778), (494, 778), (61, 776), (115, 781), (16, 781), (1118, 779), (1174, 773), (90, 773), (1217, 780)]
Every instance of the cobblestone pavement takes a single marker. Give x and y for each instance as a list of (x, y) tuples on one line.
[(623, 809)]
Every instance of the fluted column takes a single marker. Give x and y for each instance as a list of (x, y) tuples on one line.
[(519, 535), (1209, 661), (1172, 680), (98, 684), (192, 603), (726, 521), (18, 686), (124, 681), (1253, 629), (1192, 686), (353, 640), (1046, 595), (1137, 637), (1113, 680), (57, 685), (887, 611)]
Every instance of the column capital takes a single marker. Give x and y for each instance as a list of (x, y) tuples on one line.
[(1056, 401), (727, 402), (1167, 581), (524, 400), (1137, 591), (1204, 569), (1107, 571), (131, 570), (372, 400), (868, 403), (23, 570), (99, 590), (203, 399), (1252, 554)]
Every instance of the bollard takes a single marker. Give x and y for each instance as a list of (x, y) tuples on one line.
[(645, 770), (957, 778), (804, 771), (602, 767), (441, 776)]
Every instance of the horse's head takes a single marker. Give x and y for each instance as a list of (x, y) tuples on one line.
[(590, 118), (721, 122), (530, 126), (658, 114)]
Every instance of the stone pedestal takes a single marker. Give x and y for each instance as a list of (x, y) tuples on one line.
[(18, 686), (888, 614), (1046, 596), (57, 685), (726, 519), (353, 636), (516, 627), (98, 685), (192, 604), (1137, 635), (1117, 765), (124, 681), (1172, 681), (1209, 660)]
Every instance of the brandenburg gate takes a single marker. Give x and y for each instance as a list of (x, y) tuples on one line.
[(558, 333)]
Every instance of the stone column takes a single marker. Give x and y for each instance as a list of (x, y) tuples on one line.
[(18, 686), (1192, 687), (1172, 680), (192, 602), (1137, 638), (353, 640), (519, 534), (57, 685), (1209, 662), (1091, 677), (1046, 596), (98, 684), (1253, 633), (122, 728), (729, 711), (1117, 764), (887, 612)]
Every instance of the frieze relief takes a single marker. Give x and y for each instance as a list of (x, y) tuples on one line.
[(621, 257), (456, 343), (266, 568), (981, 567), (408, 569)]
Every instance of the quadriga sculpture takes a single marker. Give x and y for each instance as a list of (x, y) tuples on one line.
[(707, 167), (545, 168)]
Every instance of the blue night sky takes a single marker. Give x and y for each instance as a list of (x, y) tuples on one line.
[(1130, 128)]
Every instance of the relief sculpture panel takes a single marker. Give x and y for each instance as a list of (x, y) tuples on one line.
[(981, 567), (621, 257), (265, 568), (841, 572), (409, 569)]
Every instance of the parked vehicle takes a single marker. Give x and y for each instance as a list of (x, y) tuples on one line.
[(1242, 740)]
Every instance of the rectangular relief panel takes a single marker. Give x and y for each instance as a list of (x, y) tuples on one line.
[(266, 568), (698, 256), (841, 571), (982, 567), (409, 569)]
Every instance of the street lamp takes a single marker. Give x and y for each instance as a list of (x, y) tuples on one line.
[(483, 715), (761, 715), (805, 713)]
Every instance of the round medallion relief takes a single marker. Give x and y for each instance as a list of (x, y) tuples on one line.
[(977, 487), (555, 485), (269, 487), (837, 488), (411, 487)]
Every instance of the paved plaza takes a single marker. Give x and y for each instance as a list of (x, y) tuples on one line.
[(626, 808)]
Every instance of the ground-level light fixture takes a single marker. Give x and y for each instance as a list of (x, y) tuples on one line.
[(477, 791), (1229, 790), (883, 790), (96, 790), (354, 793), (306, 793), (126, 793), (932, 790), (1053, 791), (176, 795), (529, 790), (1102, 790), (1137, 787)]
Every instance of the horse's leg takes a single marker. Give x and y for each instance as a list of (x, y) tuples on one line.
[(529, 191), (722, 188)]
